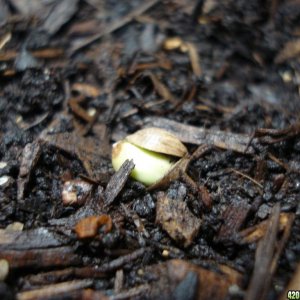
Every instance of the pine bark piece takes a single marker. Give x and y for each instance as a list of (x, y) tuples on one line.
[(41, 258), (262, 275), (39, 238), (233, 218), (30, 157), (255, 233), (91, 151), (117, 182), (176, 219)]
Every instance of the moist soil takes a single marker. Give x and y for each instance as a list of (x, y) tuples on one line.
[(77, 76)]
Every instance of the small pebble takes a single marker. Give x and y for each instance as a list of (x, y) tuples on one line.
[(4, 179), (267, 196), (297, 185), (19, 119), (263, 211), (3, 164), (140, 272), (165, 253), (92, 112), (235, 290), (287, 76)]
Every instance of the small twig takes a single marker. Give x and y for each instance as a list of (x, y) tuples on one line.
[(249, 142), (74, 104), (161, 89), (261, 277), (54, 290), (248, 177), (87, 272), (134, 293), (282, 242), (122, 260), (279, 162), (272, 136), (194, 59)]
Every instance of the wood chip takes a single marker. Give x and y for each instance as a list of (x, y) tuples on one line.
[(30, 239), (176, 219), (261, 277), (89, 226), (233, 218), (92, 151), (254, 233), (117, 182), (41, 258), (30, 156), (54, 290), (196, 135)]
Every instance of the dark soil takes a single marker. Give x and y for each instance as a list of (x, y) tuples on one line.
[(75, 76)]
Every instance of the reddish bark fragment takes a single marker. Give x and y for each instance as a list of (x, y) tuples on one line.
[(88, 227)]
